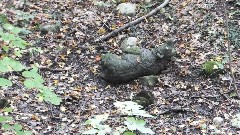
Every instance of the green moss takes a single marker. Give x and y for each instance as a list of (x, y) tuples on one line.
[(211, 67), (144, 98), (133, 50), (3, 19)]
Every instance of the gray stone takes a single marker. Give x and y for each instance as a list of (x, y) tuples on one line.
[(129, 45), (54, 28), (130, 66), (127, 8), (144, 98), (147, 1), (218, 120), (128, 42), (149, 81)]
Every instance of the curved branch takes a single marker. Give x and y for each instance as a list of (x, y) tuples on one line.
[(154, 11), (229, 52)]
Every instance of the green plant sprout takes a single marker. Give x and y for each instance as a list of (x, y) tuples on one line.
[(10, 36), (129, 108), (14, 128)]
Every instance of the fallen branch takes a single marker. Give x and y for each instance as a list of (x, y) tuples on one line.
[(174, 110), (54, 70), (154, 11), (229, 52)]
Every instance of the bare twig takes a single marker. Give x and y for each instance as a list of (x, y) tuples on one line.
[(154, 11), (229, 50), (54, 70), (174, 110)]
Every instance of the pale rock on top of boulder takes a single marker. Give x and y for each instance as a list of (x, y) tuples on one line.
[(218, 120), (129, 42), (127, 8)]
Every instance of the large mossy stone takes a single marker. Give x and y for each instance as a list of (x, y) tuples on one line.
[(129, 66)]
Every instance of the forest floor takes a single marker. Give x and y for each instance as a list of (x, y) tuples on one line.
[(71, 61)]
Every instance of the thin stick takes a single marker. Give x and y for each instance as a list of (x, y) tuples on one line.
[(154, 11), (229, 51), (174, 110)]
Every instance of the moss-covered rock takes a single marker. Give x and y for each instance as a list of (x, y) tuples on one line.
[(149, 81), (212, 67), (129, 45), (144, 98), (3, 103), (54, 28), (129, 66)]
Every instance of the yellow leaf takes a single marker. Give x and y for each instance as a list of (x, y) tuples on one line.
[(55, 82), (218, 58), (113, 27), (63, 109), (34, 117), (101, 30)]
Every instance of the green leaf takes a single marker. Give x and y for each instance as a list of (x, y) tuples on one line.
[(119, 131), (235, 122), (4, 65), (103, 117), (8, 109), (131, 108), (8, 118), (17, 127), (129, 133), (5, 118), (40, 97), (146, 131), (18, 42), (27, 132), (104, 129), (11, 28), (13, 40), (2, 119), (18, 53), (18, 132), (25, 31), (11, 37), (4, 68), (238, 3), (137, 124), (133, 124), (5, 36), (102, 132), (90, 131), (87, 122), (16, 65), (32, 74), (6, 126), (49, 96), (5, 82), (97, 119), (16, 30), (9, 64), (8, 26), (33, 83), (53, 98), (5, 48), (116, 133), (23, 15), (3, 19)]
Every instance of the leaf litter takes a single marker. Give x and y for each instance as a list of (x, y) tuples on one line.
[(70, 62)]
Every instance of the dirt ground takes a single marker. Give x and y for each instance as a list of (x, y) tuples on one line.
[(70, 63)]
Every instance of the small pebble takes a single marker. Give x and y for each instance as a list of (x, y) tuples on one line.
[(218, 120)]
